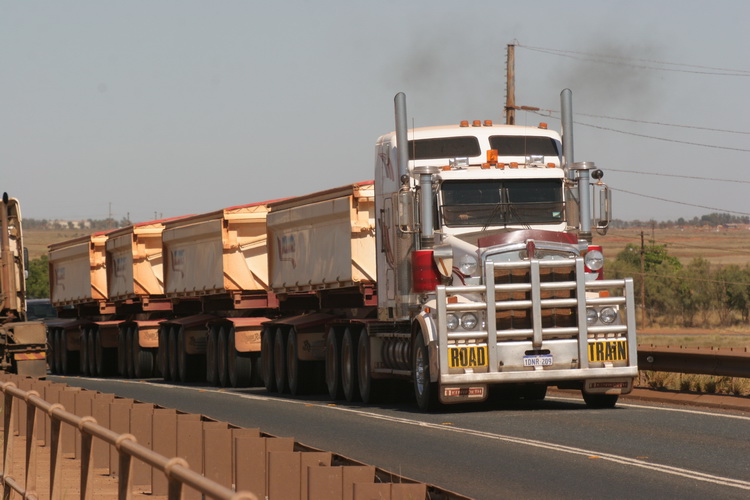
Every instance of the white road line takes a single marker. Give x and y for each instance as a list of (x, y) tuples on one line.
[(663, 408)]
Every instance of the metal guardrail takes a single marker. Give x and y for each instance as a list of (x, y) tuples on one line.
[(176, 470), (724, 362), (87, 460)]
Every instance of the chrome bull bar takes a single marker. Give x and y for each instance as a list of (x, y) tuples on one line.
[(586, 294)]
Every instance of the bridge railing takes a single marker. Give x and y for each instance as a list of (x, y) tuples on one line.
[(31, 405)]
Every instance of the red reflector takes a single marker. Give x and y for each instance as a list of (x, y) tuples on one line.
[(425, 274)]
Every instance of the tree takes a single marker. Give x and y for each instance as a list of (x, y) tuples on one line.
[(37, 285)]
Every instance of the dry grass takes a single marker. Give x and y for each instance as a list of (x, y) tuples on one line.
[(37, 240), (720, 247), (706, 384)]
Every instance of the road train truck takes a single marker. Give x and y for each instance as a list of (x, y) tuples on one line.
[(22, 343), (467, 264)]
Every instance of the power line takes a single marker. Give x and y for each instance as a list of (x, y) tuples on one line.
[(639, 63), (633, 120), (679, 202), (662, 138), (609, 129), (733, 181)]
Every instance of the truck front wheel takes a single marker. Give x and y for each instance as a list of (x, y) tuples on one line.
[(600, 400), (424, 389)]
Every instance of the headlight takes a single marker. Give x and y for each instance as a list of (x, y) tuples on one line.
[(594, 260), (451, 321), (591, 316), (467, 264), (468, 321), (608, 315)]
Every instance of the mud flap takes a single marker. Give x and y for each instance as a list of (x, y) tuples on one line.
[(32, 367)]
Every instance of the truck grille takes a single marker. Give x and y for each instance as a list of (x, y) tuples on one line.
[(521, 317)]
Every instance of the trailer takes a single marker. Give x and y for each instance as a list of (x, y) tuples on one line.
[(216, 276), (22, 342)]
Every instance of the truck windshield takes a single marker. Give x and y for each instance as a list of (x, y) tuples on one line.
[(444, 147), (521, 145), (501, 202)]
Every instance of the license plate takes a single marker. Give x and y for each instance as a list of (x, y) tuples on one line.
[(608, 350), (467, 356), (538, 360)]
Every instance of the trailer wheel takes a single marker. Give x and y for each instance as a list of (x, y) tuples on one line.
[(333, 364), (239, 364), (143, 359), (162, 355), (130, 352), (52, 350), (266, 359), (101, 357), (69, 360), (279, 360), (172, 355), (424, 389), (349, 369), (189, 366), (370, 389), (212, 360), (222, 357), (600, 400), (299, 373), (84, 356)]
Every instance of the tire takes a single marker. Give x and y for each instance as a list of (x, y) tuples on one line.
[(172, 352), (130, 352), (53, 349), (349, 370), (189, 366), (534, 392), (266, 359), (239, 364), (333, 365), (162, 356), (84, 357), (370, 389), (299, 373), (122, 335), (101, 355), (279, 360), (91, 351), (425, 391), (222, 357), (143, 359), (212, 360), (600, 400)]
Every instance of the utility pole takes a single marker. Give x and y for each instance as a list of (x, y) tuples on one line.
[(510, 86), (643, 282)]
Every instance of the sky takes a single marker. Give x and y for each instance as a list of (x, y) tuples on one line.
[(154, 109)]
